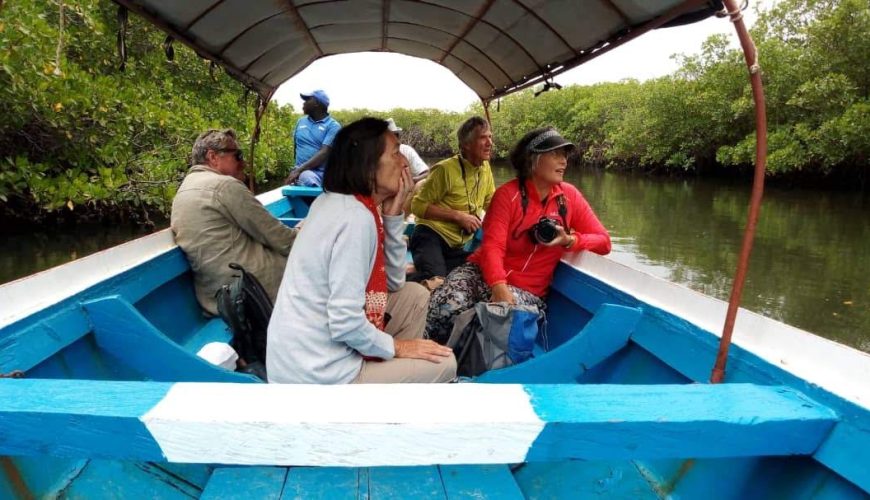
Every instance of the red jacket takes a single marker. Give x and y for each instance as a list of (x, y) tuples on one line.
[(508, 254)]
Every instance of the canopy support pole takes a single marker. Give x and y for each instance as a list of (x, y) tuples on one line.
[(486, 112), (259, 111), (751, 55)]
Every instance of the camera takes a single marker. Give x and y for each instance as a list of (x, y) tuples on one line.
[(544, 231)]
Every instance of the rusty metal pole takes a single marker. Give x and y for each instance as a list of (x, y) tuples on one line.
[(751, 55), (486, 112)]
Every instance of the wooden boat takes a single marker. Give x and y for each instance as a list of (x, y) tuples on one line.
[(107, 399)]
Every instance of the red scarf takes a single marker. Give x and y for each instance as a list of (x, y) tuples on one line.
[(376, 289)]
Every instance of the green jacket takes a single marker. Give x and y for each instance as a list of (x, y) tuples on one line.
[(447, 187)]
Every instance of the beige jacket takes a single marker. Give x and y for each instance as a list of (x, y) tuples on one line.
[(217, 220)]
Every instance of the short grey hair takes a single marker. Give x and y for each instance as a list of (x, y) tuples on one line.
[(465, 134), (212, 140)]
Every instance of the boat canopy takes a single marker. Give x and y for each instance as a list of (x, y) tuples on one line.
[(494, 46)]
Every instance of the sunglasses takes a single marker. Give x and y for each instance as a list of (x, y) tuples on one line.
[(237, 153)]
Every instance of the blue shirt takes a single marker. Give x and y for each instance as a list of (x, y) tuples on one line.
[(310, 135)]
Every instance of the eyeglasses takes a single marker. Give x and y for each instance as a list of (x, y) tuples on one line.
[(236, 152)]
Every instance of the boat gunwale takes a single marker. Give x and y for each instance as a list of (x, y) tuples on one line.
[(835, 367), (74, 277)]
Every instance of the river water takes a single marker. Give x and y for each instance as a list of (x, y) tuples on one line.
[(810, 264)]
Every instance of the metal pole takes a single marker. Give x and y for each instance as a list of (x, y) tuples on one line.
[(751, 55)]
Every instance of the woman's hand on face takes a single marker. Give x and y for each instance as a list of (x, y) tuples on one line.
[(395, 204), (421, 349), (502, 293)]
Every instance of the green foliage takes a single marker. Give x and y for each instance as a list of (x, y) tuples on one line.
[(79, 136), (431, 132), (815, 58)]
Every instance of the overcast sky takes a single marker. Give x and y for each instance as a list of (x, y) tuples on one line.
[(382, 81)]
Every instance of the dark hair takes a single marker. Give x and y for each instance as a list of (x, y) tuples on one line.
[(521, 158), (463, 135), (353, 159)]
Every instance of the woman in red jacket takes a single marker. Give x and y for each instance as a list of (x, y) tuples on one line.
[(532, 220)]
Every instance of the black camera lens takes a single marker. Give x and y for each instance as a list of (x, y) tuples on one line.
[(544, 231)]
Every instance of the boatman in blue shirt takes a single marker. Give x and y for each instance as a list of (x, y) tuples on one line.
[(312, 140)]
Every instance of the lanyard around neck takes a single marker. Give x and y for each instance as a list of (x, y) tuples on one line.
[(475, 190)]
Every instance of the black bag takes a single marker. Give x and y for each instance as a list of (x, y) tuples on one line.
[(245, 307)]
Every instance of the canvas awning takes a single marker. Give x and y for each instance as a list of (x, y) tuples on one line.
[(493, 46)]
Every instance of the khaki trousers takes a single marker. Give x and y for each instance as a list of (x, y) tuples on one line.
[(407, 309)]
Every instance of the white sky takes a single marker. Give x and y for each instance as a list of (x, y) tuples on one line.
[(382, 81)]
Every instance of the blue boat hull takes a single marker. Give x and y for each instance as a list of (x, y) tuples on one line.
[(140, 322)]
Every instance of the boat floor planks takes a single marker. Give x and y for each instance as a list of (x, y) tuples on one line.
[(262, 483), (454, 482)]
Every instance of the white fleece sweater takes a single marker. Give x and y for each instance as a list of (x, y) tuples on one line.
[(318, 329)]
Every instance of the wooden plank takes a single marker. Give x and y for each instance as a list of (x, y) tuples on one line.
[(227, 483), (30, 341), (373, 425), (586, 291), (122, 331), (684, 421), (493, 482), (590, 479), (405, 482), (28, 347), (87, 418), (322, 483), (845, 451), (604, 335)]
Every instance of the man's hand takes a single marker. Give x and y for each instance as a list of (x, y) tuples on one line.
[(294, 174), (468, 222), (502, 293), (421, 349)]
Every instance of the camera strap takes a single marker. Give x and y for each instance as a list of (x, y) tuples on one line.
[(524, 203), (560, 200), (563, 210)]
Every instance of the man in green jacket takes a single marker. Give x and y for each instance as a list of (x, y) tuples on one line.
[(451, 203), (217, 220)]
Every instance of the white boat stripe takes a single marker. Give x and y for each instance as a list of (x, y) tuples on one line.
[(321, 425)]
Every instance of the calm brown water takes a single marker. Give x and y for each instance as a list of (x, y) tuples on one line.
[(810, 264)]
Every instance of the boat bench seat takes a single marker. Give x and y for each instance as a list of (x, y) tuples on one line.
[(285, 424), (214, 330), (121, 330), (606, 333), (352, 483)]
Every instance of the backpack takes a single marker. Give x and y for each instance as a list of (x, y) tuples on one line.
[(495, 335), (245, 307)]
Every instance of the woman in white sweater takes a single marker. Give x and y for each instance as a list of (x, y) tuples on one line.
[(344, 313)]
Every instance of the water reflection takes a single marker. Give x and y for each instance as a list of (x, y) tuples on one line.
[(24, 254)]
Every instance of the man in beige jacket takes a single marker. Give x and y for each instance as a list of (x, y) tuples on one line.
[(217, 220)]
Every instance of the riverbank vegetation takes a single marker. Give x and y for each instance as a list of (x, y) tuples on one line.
[(82, 138)]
